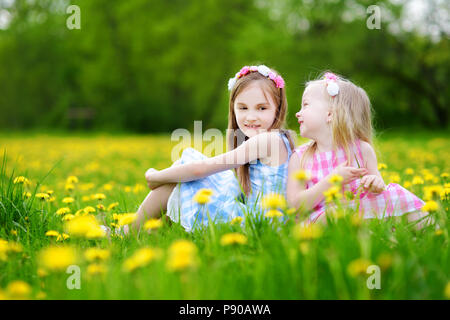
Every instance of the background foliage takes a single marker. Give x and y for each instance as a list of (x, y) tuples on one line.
[(153, 66)]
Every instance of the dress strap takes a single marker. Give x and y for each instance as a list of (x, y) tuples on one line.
[(286, 143)]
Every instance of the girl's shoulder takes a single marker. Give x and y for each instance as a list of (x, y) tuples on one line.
[(302, 148)]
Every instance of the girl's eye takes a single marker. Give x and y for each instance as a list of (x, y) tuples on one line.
[(242, 108), (262, 108)]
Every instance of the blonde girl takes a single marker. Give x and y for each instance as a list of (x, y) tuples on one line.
[(336, 116)]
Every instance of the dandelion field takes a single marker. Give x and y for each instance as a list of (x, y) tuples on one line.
[(49, 182)]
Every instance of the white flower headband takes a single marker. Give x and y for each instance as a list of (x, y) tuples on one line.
[(262, 69), (331, 83)]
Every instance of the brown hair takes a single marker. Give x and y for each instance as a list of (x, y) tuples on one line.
[(351, 116), (278, 95)]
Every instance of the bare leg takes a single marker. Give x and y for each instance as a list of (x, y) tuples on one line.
[(153, 204)]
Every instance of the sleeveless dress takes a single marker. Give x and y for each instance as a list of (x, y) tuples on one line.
[(393, 201), (227, 200)]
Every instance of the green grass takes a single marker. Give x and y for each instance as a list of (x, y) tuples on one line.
[(273, 264)]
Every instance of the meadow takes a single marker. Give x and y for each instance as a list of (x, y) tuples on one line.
[(55, 190)]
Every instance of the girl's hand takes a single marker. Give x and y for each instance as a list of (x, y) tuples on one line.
[(349, 173), (149, 176), (373, 183)]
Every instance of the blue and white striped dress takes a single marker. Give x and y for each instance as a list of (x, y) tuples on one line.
[(224, 204)]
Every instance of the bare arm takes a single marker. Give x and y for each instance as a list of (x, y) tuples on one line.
[(373, 180), (300, 197), (297, 194), (254, 148)]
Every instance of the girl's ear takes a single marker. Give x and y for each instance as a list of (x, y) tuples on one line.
[(329, 117)]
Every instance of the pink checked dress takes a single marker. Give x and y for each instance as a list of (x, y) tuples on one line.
[(393, 201)]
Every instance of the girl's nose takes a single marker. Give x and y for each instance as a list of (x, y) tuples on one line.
[(298, 114), (251, 116)]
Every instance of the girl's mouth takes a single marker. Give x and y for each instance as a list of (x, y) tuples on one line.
[(252, 126)]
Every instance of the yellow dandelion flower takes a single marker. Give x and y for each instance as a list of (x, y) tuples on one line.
[(52, 233), (307, 231), (92, 254), (72, 180), (21, 180), (86, 198), (439, 232), (84, 226), (126, 218), (107, 187), (141, 258), (432, 192), (57, 258), (273, 213), (302, 175), (382, 166), (417, 180), (14, 232), (333, 193), (236, 220), (27, 194), (394, 178), (69, 187), (336, 179), (114, 225), (407, 184), (68, 217), (182, 255), (273, 201), (42, 196), (62, 211), (62, 237), (358, 267), (112, 206), (152, 224), (409, 171), (429, 177), (18, 289), (89, 209), (68, 200), (444, 175), (430, 206), (445, 193), (101, 207), (98, 196), (233, 238), (96, 269), (203, 196)]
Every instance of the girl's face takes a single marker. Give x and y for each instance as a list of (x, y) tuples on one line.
[(314, 113), (254, 112)]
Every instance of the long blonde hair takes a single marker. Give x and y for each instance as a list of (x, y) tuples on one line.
[(351, 117), (279, 97)]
